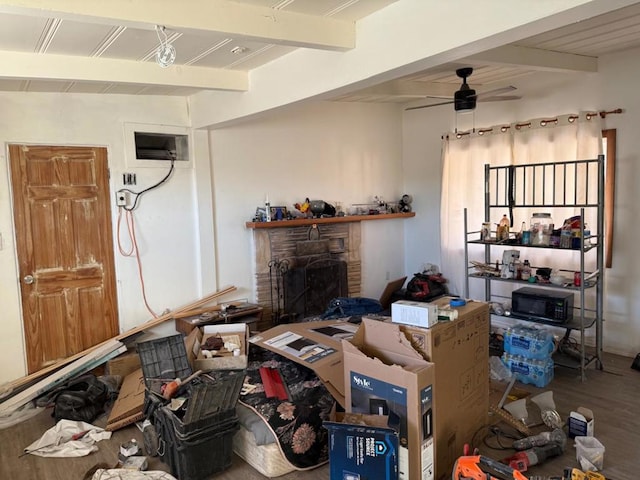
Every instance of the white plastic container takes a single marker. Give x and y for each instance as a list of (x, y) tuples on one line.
[(541, 227), (591, 450)]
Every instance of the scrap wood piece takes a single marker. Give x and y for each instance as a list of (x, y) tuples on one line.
[(100, 355), (151, 323)]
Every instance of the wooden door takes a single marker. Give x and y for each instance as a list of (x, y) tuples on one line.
[(64, 246)]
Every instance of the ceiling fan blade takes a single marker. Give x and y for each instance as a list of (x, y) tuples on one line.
[(499, 98), (430, 105), (496, 91)]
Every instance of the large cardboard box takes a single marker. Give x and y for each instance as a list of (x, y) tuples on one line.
[(460, 351), (385, 374), (316, 345)]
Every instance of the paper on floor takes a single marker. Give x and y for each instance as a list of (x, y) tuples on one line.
[(58, 440)]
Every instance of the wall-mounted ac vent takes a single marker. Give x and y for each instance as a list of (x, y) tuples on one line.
[(161, 146)]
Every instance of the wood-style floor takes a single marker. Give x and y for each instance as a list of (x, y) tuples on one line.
[(613, 395)]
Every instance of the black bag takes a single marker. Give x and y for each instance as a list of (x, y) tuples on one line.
[(82, 399), (351, 306), (424, 287)]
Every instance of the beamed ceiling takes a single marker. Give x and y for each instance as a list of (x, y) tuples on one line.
[(108, 47)]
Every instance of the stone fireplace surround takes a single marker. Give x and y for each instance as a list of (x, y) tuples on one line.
[(278, 240), (279, 244)]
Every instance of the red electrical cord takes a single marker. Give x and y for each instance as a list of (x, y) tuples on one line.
[(133, 252)]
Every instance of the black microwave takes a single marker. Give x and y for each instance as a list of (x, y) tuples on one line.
[(540, 304)]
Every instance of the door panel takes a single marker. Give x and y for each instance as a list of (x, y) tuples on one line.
[(63, 232)]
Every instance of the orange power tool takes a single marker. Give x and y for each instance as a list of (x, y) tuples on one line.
[(479, 467)]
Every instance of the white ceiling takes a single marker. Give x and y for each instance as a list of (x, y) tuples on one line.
[(97, 46)]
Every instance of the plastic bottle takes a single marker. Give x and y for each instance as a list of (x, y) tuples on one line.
[(503, 228), (526, 271), (267, 209), (521, 235)]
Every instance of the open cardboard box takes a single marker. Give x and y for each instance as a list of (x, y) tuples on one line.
[(460, 351), (225, 360), (385, 375), (315, 345)]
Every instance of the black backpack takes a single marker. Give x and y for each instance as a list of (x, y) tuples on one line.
[(82, 399), (424, 287)]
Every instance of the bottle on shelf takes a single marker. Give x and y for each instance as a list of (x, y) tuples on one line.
[(267, 209), (523, 236), (525, 273), (502, 233)]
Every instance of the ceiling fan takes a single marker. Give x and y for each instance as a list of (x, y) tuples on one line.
[(465, 98)]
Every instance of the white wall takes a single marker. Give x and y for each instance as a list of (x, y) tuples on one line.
[(167, 225), (337, 152), (614, 86)]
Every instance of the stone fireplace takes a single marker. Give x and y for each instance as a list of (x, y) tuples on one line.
[(299, 269)]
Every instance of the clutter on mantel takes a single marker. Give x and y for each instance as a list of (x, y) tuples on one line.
[(311, 221), (311, 212)]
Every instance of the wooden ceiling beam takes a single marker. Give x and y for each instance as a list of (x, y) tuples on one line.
[(235, 19), (535, 59), (89, 69)]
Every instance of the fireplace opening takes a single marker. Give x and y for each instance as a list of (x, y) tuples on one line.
[(309, 289)]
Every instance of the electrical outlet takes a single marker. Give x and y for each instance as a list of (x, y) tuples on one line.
[(122, 198)]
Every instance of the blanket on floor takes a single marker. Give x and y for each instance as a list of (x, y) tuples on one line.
[(296, 418)]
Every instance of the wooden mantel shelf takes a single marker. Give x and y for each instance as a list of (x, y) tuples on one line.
[(301, 222)]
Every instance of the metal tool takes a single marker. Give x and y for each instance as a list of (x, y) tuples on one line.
[(479, 467)]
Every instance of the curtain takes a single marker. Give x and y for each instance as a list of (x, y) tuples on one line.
[(570, 137)]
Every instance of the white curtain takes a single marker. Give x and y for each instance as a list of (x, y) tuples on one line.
[(570, 137)]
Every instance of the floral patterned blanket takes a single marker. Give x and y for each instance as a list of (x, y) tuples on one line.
[(296, 421)]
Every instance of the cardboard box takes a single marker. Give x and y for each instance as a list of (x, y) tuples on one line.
[(316, 345), (581, 423), (384, 373), (417, 314), (362, 446), (460, 351), (128, 407), (123, 364), (226, 360)]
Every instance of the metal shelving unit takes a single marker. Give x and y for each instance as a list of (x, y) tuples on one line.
[(550, 186)]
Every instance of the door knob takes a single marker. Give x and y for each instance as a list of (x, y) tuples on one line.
[(28, 279)]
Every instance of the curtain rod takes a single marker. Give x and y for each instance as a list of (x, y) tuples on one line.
[(543, 122)]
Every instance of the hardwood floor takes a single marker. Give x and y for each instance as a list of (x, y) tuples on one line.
[(613, 395)]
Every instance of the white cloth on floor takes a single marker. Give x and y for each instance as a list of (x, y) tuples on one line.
[(58, 442), (124, 474)]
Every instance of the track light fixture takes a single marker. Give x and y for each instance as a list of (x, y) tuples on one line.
[(166, 53)]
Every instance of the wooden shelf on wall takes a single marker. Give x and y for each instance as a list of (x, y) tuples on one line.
[(301, 222)]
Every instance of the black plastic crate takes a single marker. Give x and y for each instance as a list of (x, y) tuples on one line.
[(198, 455), (196, 430), (163, 360), (214, 397)]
